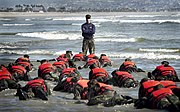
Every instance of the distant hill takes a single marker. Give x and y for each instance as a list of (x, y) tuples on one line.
[(94, 5)]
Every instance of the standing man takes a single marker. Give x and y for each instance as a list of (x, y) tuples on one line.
[(88, 31)]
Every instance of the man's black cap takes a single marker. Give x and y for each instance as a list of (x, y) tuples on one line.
[(88, 16)]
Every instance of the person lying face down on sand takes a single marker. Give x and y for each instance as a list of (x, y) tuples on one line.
[(159, 98), (36, 88), (123, 79), (104, 61), (19, 72), (164, 72), (100, 93), (47, 71), (6, 79), (129, 66)]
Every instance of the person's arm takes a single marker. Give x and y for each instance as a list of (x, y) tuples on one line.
[(94, 29), (39, 73), (90, 75), (84, 28), (47, 88), (177, 79), (84, 66), (121, 67), (77, 72), (154, 72)]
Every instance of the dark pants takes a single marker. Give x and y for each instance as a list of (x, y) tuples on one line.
[(77, 91), (88, 44), (32, 92), (171, 103), (7, 83), (110, 100)]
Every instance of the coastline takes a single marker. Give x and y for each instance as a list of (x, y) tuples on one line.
[(54, 14)]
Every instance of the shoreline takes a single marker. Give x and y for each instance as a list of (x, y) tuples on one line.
[(66, 14)]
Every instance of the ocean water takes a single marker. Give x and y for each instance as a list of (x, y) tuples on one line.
[(146, 38)]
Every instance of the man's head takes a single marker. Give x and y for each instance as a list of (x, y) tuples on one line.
[(68, 54), (92, 66), (88, 16), (43, 61), (143, 80), (127, 59), (26, 56), (95, 57), (164, 62), (103, 54)]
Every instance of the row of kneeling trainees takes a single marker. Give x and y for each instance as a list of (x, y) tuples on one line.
[(157, 90)]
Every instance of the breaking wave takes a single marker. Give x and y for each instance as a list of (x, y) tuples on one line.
[(17, 24), (153, 56), (159, 50), (52, 35), (115, 39), (37, 52), (149, 21)]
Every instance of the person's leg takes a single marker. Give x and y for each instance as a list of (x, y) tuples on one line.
[(12, 84), (85, 46), (3, 84), (40, 93), (98, 99), (91, 46), (22, 94), (48, 77), (27, 77), (163, 104), (174, 100), (77, 92), (59, 87)]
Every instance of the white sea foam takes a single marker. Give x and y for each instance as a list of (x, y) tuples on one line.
[(153, 56), (40, 52), (7, 46), (17, 24), (52, 35), (27, 19), (140, 16), (149, 21), (119, 19), (68, 18), (5, 19), (115, 39), (59, 52), (159, 50), (74, 36)]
